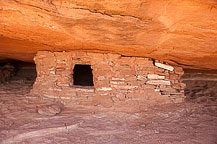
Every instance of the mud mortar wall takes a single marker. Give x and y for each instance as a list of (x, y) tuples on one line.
[(117, 80)]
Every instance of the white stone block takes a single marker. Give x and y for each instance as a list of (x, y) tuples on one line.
[(52, 72), (42, 55), (101, 78), (104, 94), (167, 67), (158, 82), (139, 77), (116, 82), (155, 76), (85, 90), (57, 89), (124, 87), (118, 79), (104, 89)]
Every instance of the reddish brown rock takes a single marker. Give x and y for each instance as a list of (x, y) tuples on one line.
[(49, 110)]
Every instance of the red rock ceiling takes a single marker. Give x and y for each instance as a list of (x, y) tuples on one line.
[(180, 31)]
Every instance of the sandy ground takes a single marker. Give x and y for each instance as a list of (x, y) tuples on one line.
[(186, 123)]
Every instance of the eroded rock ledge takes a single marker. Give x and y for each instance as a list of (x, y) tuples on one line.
[(181, 32)]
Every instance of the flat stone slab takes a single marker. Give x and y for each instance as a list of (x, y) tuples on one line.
[(155, 76), (167, 67), (158, 82)]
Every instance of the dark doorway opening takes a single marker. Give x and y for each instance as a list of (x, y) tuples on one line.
[(200, 85), (25, 71), (14, 70), (82, 75)]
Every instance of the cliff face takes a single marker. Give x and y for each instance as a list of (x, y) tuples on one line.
[(176, 31)]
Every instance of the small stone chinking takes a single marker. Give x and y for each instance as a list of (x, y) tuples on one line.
[(117, 79)]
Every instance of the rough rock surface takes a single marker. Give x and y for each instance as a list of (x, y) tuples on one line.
[(180, 31), (49, 110), (185, 123)]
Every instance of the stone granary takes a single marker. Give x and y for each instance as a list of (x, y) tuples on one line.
[(107, 80)]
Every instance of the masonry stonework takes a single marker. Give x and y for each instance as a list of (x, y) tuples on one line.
[(118, 80)]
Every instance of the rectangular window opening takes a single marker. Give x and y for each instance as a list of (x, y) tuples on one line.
[(83, 75)]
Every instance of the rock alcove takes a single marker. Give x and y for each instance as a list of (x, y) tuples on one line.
[(108, 71)]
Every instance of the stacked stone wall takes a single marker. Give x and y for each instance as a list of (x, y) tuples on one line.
[(117, 80)]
